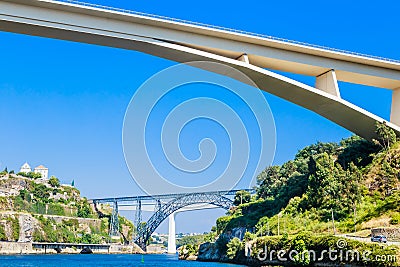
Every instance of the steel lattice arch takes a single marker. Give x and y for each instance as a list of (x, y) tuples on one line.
[(164, 205), (170, 207)]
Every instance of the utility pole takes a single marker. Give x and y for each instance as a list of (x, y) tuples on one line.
[(333, 223)]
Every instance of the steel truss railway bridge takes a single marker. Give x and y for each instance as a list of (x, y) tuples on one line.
[(164, 206)]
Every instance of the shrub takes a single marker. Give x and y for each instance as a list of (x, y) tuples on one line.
[(67, 236), (54, 182), (222, 222), (38, 208), (20, 204), (234, 246), (303, 258), (37, 236), (84, 210), (395, 219), (55, 209), (32, 175), (3, 236), (15, 228), (71, 223), (249, 236)]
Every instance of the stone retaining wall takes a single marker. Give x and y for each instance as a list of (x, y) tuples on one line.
[(12, 248)]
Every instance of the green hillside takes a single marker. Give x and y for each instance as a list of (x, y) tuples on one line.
[(308, 203), (354, 182)]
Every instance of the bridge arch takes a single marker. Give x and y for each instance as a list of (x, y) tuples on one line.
[(170, 207)]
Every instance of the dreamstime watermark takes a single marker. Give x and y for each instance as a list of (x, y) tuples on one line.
[(340, 253), (166, 143)]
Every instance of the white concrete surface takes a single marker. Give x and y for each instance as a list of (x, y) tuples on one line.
[(327, 82), (395, 109), (185, 43), (51, 16), (171, 234)]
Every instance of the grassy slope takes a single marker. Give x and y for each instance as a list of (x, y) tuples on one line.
[(374, 209)]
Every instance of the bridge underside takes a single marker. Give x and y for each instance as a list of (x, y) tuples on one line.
[(46, 19)]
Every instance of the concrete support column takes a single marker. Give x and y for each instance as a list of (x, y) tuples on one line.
[(395, 110), (244, 58), (171, 234), (327, 82)]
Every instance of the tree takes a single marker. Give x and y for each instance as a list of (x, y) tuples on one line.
[(333, 188), (316, 149), (268, 181), (54, 182), (386, 135), (40, 192), (241, 197), (84, 210), (388, 177), (352, 185), (358, 151), (25, 195)]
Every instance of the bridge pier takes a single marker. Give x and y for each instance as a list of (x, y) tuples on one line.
[(395, 110), (327, 82), (171, 234), (138, 219), (244, 58), (114, 222)]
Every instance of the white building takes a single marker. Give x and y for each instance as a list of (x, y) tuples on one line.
[(25, 168), (42, 170)]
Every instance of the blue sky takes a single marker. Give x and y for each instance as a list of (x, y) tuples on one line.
[(63, 103)]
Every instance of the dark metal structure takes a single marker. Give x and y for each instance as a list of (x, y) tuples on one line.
[(114, 221), (165, 210), (164, 206)]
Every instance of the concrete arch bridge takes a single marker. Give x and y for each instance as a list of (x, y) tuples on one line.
[(250, 53)]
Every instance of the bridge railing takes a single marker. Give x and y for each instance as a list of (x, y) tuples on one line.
[(231, 30)]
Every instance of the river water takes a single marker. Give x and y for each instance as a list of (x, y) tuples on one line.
[(96, 260)]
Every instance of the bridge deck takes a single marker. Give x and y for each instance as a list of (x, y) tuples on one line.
[(164, 196), (263, 51)]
